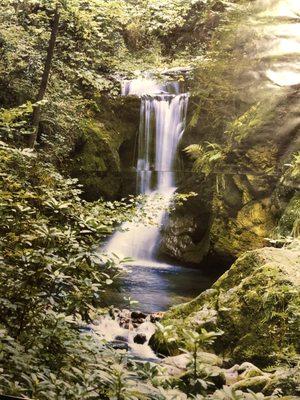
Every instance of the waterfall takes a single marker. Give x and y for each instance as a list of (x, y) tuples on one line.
[(162, 123)]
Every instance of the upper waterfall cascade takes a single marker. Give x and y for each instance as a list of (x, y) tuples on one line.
[(162, 123)]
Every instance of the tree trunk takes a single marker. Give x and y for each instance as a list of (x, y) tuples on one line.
[(45, 78)]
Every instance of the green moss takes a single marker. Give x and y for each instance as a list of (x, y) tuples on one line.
[(164, 347), (185, 310), (255, 304), (290, 220), (97, 161), (247, 228), (94, 157), (255, 384)]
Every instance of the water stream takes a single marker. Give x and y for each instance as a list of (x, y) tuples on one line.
[(162, 123), (155, 285)]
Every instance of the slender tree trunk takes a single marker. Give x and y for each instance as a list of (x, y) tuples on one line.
[(45, 78)]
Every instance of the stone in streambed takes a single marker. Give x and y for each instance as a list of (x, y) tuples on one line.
[(121, 339), (124, 318), (119, 345), (140, 338), (114, 312), (138, 315), (137, 318), (255, 384), (155, 317)]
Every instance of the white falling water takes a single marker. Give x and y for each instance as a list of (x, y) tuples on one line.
[(139, 87), (162, 123)]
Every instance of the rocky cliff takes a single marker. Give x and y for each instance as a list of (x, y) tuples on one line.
[(104, 150), (254, 304)]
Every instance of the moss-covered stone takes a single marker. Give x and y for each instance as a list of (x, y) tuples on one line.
[(289, 224), (94, 156), (99, 158), (255, 304), (286, 379), (236, 230), (255, 384)]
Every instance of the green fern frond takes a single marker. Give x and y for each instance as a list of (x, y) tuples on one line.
[(206, 158)]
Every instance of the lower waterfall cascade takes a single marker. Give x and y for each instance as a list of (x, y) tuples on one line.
[(162, 122)]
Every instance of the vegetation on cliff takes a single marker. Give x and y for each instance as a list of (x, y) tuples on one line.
[(242, 139), (61, 121), (97, 42)]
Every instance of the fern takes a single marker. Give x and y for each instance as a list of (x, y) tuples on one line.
[(206, 157), (294, 167)]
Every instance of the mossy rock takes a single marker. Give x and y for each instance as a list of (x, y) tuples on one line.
[(94, 157), (289, 223), (286, 379), (100, 158), (254, 303), (255, 384), (246, 230)]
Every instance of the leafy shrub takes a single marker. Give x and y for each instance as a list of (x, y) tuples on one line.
[(50, 271), (206, 157)]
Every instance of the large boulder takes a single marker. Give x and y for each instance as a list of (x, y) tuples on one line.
[(183, 238), (256, 305), (237, 228)]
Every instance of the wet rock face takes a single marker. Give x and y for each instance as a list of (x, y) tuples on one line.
[(241, 202), (254, 305), (244, 217), (224, 221), (103, 153), (185, 232)]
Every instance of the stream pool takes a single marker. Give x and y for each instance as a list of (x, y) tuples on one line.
[(157, 286)]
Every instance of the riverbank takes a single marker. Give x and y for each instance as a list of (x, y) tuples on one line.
[(244, 341)]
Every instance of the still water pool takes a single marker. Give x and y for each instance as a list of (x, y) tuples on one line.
[(158, 286)]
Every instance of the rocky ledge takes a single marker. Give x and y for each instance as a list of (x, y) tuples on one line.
[(252, 312), (254, 307)]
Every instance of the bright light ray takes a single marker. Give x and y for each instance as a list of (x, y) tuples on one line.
[(283, 38)]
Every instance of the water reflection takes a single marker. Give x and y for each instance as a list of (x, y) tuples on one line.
[(158, 286)]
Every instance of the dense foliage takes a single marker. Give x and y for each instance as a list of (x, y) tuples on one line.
[(238, 100), (52, 282), (52, 275), (97, 41)]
